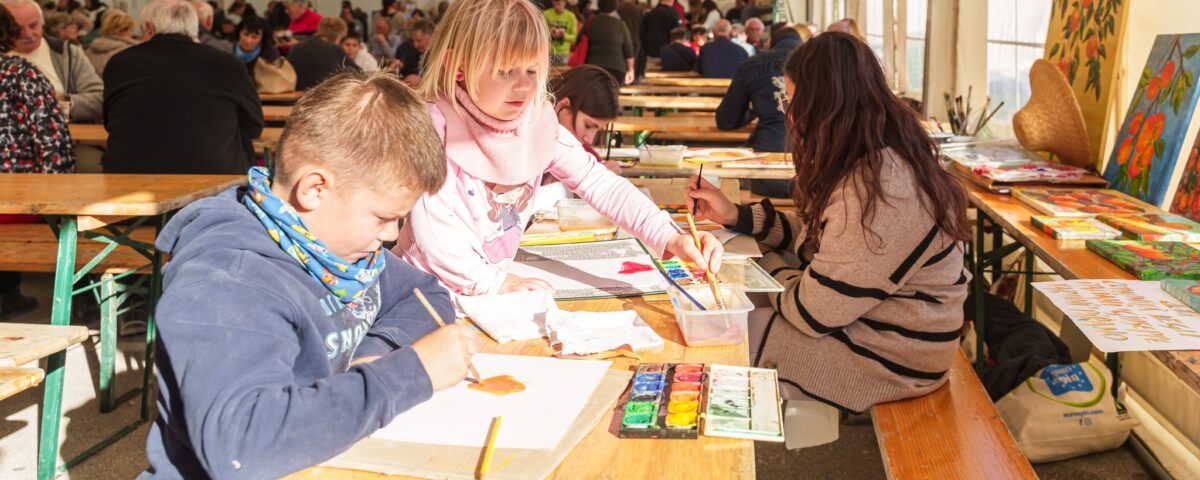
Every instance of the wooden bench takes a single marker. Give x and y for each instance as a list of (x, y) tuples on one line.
[(17, 380), (34, 248), (954, 432)]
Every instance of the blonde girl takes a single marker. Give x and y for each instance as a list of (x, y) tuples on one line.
[(485, 84)]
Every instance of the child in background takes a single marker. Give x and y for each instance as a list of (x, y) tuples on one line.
[(287, 332), (352, 45), (678, 56), (874, 311), (499, 143)]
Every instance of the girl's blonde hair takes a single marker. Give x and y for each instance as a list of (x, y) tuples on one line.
[(474, 33)]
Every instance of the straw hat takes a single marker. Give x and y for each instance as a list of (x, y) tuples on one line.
[(1052, 121)]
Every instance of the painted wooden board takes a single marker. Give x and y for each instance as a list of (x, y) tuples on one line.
[(21, 343), (17, 380), (601, 454), (106, 194), (954, 432)]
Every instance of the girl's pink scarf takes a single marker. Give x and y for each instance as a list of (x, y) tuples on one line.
[(511, 152)]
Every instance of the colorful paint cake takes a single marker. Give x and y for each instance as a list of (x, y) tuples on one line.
[(1074, 228), (745, 273), (664, 402), (1151, 260), (1162, 227), (743, 403)]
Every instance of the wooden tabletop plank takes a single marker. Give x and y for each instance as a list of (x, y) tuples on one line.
[(601, 454), (285, 97), (674, 124), (106, 194), (17, 380), (694, 81), (21, 343), (711, 90), (1073, 261), (724, 170), (978, 444), (276, 113), (95, 134), (662, 74), (681, 103)]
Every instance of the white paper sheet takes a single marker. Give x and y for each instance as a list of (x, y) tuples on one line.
[(585, 333), (511, 316), (536, 418), (582, 270), (1126, 315)]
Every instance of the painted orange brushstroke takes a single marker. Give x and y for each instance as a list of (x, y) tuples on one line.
[(498, 385)]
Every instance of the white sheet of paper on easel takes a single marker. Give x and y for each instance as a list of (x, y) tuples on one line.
[(556, 391)]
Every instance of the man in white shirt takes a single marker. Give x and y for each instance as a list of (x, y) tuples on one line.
[(65, 65)]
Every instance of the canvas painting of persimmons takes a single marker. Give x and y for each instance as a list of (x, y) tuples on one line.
[(1152, 137)]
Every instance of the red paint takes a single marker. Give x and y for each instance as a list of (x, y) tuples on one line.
[(634, 267)]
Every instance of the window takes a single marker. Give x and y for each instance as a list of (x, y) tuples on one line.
[(1016, 37), (874, 31), (916, 17)]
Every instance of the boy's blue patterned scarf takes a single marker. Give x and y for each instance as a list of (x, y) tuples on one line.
[(348, 281)]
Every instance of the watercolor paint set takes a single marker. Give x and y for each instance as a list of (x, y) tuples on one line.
[(743, 402), (743, 272), (664, 402), (681, 400)]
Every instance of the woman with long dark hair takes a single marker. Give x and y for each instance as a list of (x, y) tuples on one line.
[(873, 311)]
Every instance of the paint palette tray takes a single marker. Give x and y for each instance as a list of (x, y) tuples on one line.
[(745, 273), (663, 402), (743, 402)]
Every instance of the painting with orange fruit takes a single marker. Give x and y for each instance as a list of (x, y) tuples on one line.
[(1084, 41), (1151, 138), (1077, 202), (1151, 260), (1155, 227), (1187, 291), (1187, 194)]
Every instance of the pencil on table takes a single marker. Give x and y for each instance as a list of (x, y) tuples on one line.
[(438, 318), (489, 448)]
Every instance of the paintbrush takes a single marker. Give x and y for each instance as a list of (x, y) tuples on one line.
[(950, 113), (939, 124), (986, 103), (438, 318), (962, 119), (967, 113), (712, 279), (489, 447), (608, 141), (988, 118)]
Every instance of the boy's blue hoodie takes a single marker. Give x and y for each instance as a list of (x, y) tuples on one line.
[(253, 354)]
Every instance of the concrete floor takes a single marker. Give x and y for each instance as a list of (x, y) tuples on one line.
[(854, 456)]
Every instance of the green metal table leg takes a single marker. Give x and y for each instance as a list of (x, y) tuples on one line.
[(637, 111), (109, 304), (64, 272), (1114, 365), (997, 243), (639, 138), (977, 286), (1029, 264)]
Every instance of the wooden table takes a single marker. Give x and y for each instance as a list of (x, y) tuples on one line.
[(679, 126), (1073, 261), (284, 97), (95, 134), (711, 90), (726, 170), (694, 81), (71, 204), (276, 113), (601, 454), (675, 103), (662, 74)]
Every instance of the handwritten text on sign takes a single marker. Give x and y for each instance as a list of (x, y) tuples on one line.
[(1126, 315)]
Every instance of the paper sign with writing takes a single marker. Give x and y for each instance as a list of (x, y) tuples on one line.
[(1126, 315)]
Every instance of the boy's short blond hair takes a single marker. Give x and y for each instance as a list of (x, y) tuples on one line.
[(474, 33), (370, 129)]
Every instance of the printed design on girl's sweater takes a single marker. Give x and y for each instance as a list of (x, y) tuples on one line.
[(344, 279), (503, 244)]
